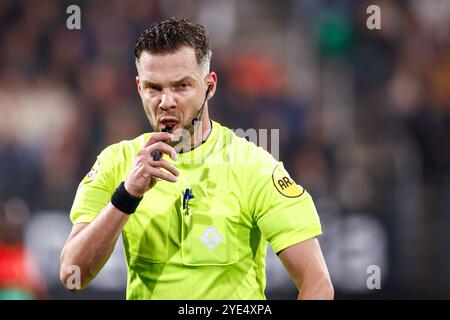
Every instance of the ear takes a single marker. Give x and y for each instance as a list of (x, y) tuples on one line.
[(138, 82), (212, 84)]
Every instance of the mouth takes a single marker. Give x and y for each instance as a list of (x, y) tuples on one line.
[(168, 122)]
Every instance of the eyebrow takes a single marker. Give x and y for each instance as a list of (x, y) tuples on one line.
[(184, 79)]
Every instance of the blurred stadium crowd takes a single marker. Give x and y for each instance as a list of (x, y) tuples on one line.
[(364, 119)]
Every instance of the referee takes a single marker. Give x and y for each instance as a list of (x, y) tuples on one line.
[(196, 205)]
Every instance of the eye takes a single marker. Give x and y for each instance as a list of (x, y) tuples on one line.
[(153, 88), (183, 85)]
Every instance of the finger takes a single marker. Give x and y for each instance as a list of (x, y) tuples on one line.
[(166, 165), (158, 173), (163, 147), (156, 137)]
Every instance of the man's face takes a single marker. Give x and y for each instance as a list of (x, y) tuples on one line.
[(172, 87)]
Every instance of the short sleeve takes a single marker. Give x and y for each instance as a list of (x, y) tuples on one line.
[(284, 211), (95, 190)]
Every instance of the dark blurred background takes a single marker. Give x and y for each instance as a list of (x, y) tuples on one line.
[(364, 120)]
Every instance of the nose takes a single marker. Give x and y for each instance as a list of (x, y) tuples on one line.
[(167, 101)]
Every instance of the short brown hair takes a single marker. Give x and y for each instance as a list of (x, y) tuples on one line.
[(170, 35)]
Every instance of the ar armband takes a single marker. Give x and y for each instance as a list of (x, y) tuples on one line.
[(124, 201)]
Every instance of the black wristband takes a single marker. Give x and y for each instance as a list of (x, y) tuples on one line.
[(124, 201)]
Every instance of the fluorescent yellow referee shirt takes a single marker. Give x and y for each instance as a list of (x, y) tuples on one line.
[(214, 246)]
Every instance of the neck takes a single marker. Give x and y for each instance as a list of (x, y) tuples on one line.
[(198, 134)]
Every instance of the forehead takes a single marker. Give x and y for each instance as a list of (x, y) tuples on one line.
[(167, 67)]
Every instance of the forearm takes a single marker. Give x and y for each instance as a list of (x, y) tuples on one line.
[(318, 289), (91, 247)]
